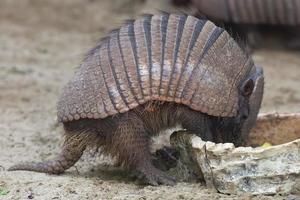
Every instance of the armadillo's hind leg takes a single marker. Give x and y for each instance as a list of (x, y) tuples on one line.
[(130, 144), (72, 150)]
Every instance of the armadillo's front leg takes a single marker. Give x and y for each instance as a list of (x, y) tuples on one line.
[(72, 150), (130, 143), (197, 124)]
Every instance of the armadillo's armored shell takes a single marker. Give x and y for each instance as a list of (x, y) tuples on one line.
[(173, 58), (276, 12)]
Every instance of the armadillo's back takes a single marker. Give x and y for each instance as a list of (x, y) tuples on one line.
[(164, 57)]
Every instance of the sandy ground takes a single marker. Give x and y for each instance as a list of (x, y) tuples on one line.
[(41, 42)]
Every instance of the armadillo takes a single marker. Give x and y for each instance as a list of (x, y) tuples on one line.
[(154, 73), (271, 12)]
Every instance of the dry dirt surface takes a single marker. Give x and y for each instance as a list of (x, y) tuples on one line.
[(41, 42)]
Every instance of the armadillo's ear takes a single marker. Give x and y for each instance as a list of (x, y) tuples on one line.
[(247, 87)]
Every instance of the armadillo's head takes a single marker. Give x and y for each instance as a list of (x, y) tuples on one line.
[(236, 129), (254, 103)]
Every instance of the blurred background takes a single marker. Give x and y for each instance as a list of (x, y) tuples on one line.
[(41, 43)]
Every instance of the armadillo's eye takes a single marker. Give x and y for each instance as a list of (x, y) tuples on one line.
[(248, 87)]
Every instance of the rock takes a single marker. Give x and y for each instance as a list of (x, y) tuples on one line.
[(230, 170)]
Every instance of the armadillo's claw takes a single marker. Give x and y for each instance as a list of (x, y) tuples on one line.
[(155, 177)]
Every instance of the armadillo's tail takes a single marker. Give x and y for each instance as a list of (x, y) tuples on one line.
[(72, 151)]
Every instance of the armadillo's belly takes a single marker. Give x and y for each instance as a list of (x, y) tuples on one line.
[(173, 58)]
